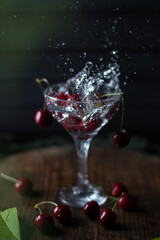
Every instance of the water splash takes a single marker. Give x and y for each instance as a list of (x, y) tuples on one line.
[(88, 82)]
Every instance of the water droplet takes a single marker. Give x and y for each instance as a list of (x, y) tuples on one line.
[(71, 70), (113, 28), (63, 43), (130, 31), (88, 65), (114, 52), (14, 16), (101, 59), (84, 54), (49, 39), (43, 17)]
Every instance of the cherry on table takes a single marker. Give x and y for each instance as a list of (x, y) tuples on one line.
[(63, 213), (121, 138), (107, 218), (118, 189), (91, 209), (24, 186), (43, 118), (127, 202), (44, 222)]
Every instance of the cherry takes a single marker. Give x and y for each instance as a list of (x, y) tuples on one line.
[(107, 218), (72, 97), (121, 138), (127, 202), (62, 212), (89, 125), (23, 186), (44, 222), (62, 96), (112, 110), (91, 209), (43, 118), (71, 123), (118, 189)]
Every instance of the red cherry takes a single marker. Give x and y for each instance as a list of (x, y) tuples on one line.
[(62, 95), (126, 202), (63, 213), (73, 97), (43, 118), (91, 209), (71, 123), (112, 110), (90, 126), (107, 218), (121, 138), (118, 188), (24, 186), (44, 222)]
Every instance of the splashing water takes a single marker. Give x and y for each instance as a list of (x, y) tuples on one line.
[(88, 82)]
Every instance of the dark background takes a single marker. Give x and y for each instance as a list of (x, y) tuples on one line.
[(54, 39)]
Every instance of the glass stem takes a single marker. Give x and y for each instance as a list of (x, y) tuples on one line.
[(82, 147)]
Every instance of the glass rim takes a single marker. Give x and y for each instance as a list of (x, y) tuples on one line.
[(115, 95)]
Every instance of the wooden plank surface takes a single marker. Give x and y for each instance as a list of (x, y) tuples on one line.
[(54, 167)]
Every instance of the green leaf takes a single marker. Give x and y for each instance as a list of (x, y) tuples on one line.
[(9, 225), (158, 238)]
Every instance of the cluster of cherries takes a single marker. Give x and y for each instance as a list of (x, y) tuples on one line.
[(45, 222), (43, 118), (107, 217)]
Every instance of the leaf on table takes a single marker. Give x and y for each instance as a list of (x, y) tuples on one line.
[(9, 225)]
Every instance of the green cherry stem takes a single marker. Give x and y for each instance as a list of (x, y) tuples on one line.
[(115, 204), (44, 202), (39, 81), (11, 179), (112, 94), (122, 116)]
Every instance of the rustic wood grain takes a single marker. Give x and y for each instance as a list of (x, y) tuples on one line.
[(54, 167)]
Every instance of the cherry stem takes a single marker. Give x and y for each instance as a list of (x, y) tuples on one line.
[(122, 116), (111, 197), (114, 206), (39, 81), (11, 179), (44, 202), (112, 94)]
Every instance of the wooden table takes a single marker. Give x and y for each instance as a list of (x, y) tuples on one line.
[(54, 167)]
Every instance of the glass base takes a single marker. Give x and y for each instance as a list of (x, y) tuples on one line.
[(77, 196)]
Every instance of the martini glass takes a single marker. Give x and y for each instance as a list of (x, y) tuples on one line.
[(82, 120)]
